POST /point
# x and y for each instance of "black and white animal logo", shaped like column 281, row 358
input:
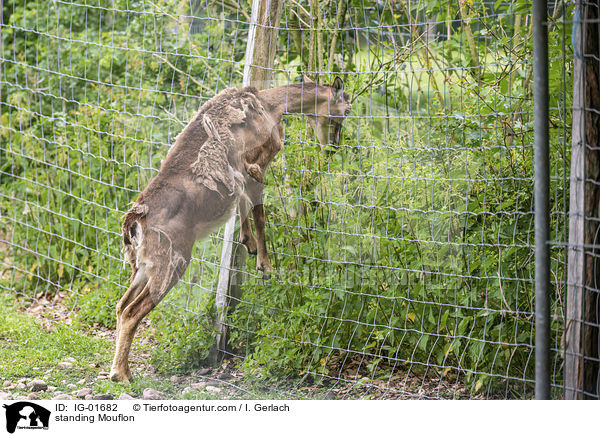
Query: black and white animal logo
column 24, row 414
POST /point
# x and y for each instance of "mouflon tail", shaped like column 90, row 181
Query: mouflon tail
column 132, row 232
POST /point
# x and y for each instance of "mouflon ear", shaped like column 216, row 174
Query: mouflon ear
column 338, row 83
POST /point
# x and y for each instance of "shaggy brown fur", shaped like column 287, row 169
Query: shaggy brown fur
column 218, row 159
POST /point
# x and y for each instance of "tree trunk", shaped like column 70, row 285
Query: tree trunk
column 266, row 42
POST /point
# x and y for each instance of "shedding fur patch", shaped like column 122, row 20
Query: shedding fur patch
column 139, row 209
column 210, row 128
column 175, row 268
column 231, row 107
column 212, row 168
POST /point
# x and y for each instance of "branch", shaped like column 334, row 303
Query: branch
column 341, row 15
column 235, row 7
column 301, row 8
column 300, row 20
column 470, row 39
column 201, row 85
column 171, row 116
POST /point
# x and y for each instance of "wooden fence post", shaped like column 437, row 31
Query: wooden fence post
column 260, row 51
column 583, row 280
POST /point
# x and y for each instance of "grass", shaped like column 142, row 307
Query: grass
column 28, row 350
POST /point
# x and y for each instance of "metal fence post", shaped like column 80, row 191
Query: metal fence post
column 542, row 216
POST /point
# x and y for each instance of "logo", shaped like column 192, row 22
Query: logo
column 26, row 415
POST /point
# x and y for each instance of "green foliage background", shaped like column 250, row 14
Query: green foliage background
column 407, row 251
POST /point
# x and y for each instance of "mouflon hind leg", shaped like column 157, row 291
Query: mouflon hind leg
column 138, row 282
column 128, row 322
column 168, row 265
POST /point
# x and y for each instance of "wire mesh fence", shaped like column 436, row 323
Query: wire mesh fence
column 403, row 258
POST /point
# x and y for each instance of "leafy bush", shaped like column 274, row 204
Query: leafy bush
column 183, row 338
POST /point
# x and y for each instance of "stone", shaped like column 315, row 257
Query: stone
column 37, row 385
column 125, row 396
column 105, row 373
column 82, row 381
column 89, row 397
column 203, row 371
column 51, row 388
column 152, row 394
column 33, row 396
column 62, row 397
column 187, row 390
column 103, row 397
column 71, row 359
column 5, row 396
column 175, row 379
column 6, row 384
column 21, row 386
column 102, row 377
column 213, row 389
column 81, row 393
column 65, row 365
column 198, row 386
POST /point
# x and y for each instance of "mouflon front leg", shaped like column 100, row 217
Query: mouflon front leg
column 256, row 161
column 246, row 235
column 262, row 262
